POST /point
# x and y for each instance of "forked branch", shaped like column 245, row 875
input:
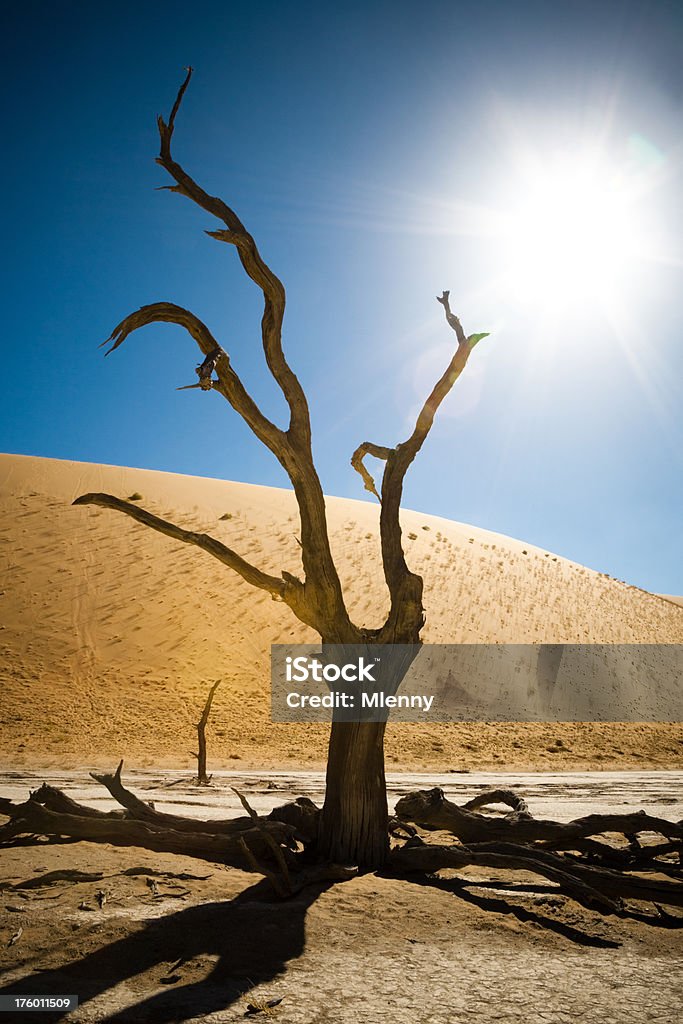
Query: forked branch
column 405, row 588
column 318, row 601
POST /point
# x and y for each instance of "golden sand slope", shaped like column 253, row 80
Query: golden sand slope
column 111, row 634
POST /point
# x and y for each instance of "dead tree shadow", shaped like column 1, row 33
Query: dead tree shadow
column 461, row 887
column 250, row 941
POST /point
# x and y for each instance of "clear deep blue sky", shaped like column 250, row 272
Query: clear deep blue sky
column 367, row 147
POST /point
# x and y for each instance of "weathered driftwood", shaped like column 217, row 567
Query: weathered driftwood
column 594, row 872
column 423, row 857
column 498, row 796
column 142, row 811
column 55, row 800
column 589, row 885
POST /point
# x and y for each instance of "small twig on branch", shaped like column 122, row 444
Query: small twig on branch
column 204, row 372
column 452, row 319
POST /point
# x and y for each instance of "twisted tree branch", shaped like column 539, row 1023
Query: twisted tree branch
column 324, row 605
column 431, row 809
column 254, row 265
column 288, row 588
column 405, row 588
column 368, row 448
column 229, row 383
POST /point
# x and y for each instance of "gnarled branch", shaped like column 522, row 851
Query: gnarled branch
column 428, row 858
column 430, row 809
column 324, row 605
column 254, row 265
column 229, row 383
column 141, row 811
column 378, row 452
column 405, row 587
column 287, row 588
column 33, row 818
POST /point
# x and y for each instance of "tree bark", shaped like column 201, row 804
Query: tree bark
column 354, row 821
column 353, row 824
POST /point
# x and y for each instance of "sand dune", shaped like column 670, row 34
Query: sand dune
column 110, row 634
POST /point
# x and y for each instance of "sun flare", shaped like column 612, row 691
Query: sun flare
column 570, row 233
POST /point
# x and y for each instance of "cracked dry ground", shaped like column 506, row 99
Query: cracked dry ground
column 480, row 946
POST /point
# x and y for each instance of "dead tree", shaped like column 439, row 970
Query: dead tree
column 202, row 778
column 603, row 861
column 353, row 823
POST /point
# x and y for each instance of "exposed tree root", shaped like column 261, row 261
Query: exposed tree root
column 282, row 845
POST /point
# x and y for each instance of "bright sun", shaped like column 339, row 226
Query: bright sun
column 570, row 234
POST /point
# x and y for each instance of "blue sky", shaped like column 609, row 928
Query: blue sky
column 378, row 153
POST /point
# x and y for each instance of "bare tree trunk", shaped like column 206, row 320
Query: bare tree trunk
column 353, row 827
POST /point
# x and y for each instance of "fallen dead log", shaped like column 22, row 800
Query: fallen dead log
column 141, row 811
column 589, row 885
column 430, row 858
column 58, row 801
column 498, row 796
column 430, row 809
column 34, row 818
column 595, row 873
column 642, row 858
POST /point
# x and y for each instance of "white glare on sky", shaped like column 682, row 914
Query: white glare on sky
column 571, row 233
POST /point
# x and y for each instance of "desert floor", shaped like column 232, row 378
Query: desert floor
column 472, row 946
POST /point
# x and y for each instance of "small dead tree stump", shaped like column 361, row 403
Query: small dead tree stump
column 202, row 778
